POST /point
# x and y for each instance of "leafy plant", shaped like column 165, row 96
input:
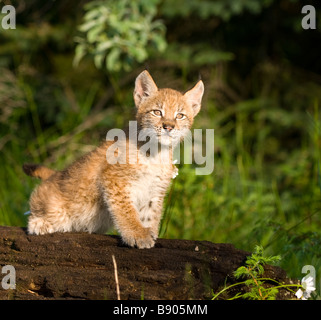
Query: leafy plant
column 253, row 271
column 118, row 33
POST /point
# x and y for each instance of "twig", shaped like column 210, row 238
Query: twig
column 116, row 277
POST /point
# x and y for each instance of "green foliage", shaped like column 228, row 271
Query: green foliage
column 205, row 9
column 118, row 33
column 262, row 97
column 258, row 288
column 255, row 264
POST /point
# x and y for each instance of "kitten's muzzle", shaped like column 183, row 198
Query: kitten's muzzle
column 168, row 127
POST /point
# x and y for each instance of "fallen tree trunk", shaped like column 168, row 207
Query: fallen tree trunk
column 80, row 266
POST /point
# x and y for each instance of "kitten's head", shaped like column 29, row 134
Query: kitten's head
column 165, row 114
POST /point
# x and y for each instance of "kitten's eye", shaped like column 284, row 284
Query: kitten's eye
column 157, row 113
column 180, row 116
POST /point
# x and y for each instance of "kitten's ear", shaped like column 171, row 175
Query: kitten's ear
column 194, row 96
column 144, row 87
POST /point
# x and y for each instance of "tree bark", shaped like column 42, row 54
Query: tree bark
column 80, row 266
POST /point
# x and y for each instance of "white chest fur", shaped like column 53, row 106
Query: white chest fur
column 149, row 188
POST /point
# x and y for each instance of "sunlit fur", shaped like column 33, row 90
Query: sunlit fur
column 93, row 195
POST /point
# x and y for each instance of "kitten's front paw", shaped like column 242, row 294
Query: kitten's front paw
column 144, row 239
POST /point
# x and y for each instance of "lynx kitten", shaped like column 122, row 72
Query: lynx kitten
column 93, row 195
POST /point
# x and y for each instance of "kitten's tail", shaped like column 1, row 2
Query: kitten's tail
column 38, row 171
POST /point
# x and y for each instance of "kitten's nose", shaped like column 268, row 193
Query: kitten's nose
column 168, row 127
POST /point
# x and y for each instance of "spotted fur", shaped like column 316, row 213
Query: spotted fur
column 93, row 195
